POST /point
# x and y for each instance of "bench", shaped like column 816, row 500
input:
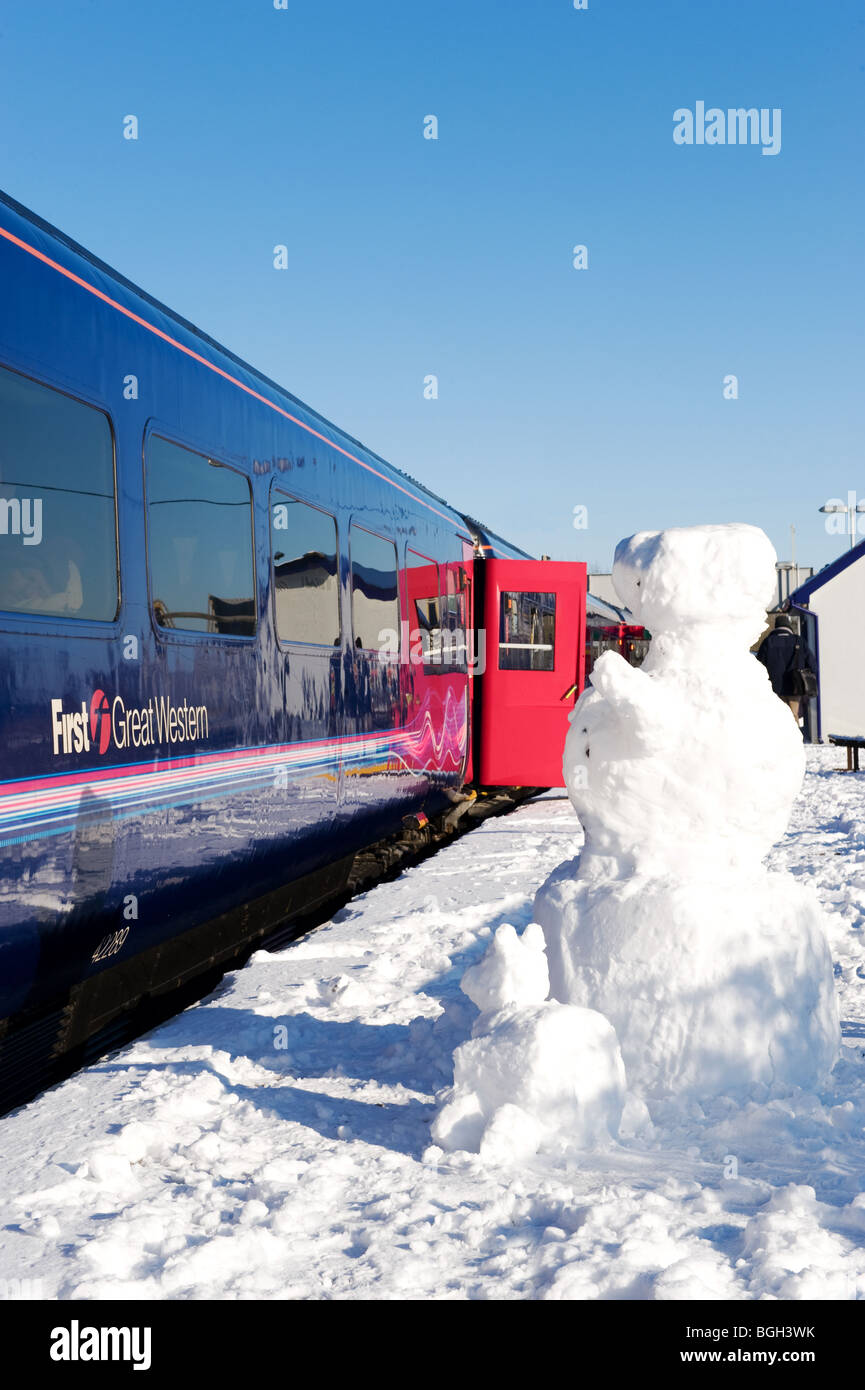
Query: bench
column 852, row 745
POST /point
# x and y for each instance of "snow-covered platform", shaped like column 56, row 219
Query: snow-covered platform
column 274, row 1141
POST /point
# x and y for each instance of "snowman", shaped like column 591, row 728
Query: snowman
column 713, row 968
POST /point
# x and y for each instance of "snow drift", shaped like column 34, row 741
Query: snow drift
column 536, row 1073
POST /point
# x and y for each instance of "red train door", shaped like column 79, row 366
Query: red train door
column 535, row 621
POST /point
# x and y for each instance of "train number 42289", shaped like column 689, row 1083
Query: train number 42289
column 110, row 945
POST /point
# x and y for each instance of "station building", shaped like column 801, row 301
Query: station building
column 829, row 607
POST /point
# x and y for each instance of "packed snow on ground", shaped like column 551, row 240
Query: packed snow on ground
column 275, row 1140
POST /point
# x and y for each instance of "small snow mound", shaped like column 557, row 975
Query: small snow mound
column 513, row 971
column 511, row 1136
column 544, row 1075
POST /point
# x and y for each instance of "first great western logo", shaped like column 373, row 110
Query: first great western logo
column 104, row 723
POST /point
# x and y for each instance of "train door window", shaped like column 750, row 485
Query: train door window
column 199, row 542
column 374, row 601
column 305, row 572
column 527, row 632
column 425, row 605
column 455, row 616
column 58, row 519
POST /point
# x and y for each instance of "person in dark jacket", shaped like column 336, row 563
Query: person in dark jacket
column 783, row 654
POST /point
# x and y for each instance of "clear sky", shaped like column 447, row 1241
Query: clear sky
column 407, row 257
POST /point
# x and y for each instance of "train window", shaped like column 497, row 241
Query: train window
column 455, row 616
column 305, row 572
column 424, row 606
column 374, row 603
column 527, row 632
column 199, row 542
column 58, row 526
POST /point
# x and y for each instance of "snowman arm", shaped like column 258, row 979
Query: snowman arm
column 633, row 697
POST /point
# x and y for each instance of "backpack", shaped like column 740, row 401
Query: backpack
column 804, row 684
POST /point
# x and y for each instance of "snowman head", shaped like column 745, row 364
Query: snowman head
column 690, row 575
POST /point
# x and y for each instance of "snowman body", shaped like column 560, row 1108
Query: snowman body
column 714, row 971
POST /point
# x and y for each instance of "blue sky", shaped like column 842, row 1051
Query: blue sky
column 558, row 388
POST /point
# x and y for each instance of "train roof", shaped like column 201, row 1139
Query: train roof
column 489, row 540
column 602, row 608
column 130, row 287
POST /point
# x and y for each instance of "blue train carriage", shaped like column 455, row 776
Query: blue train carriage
column 204, row 716
column 240, row 655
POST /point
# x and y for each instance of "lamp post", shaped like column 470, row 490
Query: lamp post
column 853, row 507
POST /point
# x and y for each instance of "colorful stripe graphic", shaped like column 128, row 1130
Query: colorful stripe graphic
column 54, row 804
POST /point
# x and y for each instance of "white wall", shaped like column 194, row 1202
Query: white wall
column 840, row 608
column 601, row 585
